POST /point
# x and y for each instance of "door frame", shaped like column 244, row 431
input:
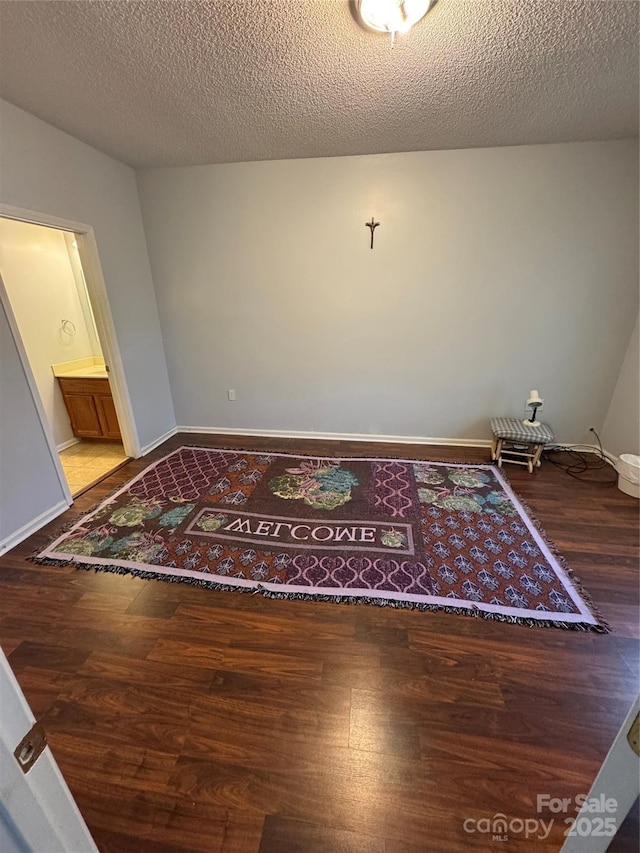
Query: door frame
column 97, row 292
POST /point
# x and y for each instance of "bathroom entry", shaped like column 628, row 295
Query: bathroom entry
column 48, row 295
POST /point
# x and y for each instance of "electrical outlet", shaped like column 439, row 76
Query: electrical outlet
column 231, row 393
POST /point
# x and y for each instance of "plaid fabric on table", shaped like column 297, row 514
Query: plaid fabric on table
column 514, row 429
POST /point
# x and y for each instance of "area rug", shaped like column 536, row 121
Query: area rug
column 427, row 535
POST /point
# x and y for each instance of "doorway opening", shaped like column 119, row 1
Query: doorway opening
column 47, row 294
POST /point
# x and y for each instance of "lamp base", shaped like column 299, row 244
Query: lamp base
column 527, row 422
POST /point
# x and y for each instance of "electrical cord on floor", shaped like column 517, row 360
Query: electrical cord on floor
column 576, row 463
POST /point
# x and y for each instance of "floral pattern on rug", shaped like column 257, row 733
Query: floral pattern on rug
column 465, row 488
column 410, row 533
column 320, row 484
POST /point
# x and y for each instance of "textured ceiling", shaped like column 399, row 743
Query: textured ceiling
column 170, row 82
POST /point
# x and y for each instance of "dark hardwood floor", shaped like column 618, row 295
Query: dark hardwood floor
column 186, row 719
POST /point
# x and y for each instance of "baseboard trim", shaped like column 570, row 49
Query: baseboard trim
column 348, row 436
column 32, row 526
column 612, row 458
column 337, row 436
column 66, row 444
column 152, row 445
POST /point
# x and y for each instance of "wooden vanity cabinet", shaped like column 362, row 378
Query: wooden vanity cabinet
column 90, row 407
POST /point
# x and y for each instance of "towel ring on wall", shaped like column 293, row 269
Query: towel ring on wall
column 68, row 327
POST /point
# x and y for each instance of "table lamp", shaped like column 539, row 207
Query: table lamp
column 534, row 402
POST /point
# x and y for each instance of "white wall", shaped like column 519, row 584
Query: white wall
column 45, row 170
column 621, row 433
column 494, row 271
column 36, row 270
column 22, row 447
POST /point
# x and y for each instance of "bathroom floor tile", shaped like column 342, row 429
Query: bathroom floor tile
column 88, row 461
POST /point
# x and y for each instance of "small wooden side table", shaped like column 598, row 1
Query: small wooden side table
column 518, row 442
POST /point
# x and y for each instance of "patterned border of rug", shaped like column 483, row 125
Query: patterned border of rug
column 405, row 533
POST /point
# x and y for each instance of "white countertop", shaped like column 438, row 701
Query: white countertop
column 81, row 368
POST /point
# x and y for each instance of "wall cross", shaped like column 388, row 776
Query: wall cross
column 373, row 225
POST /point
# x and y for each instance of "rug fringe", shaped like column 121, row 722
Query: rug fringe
column 474, row 612
column 403, row 458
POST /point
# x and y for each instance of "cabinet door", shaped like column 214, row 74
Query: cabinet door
column 108, row 418
column 83, row 415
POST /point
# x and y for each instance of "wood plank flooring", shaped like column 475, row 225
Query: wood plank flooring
column 191, row 720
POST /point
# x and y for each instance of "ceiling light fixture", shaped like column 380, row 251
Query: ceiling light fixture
column 392, row 16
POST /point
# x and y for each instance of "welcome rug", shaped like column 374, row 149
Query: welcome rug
column 385, row 531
